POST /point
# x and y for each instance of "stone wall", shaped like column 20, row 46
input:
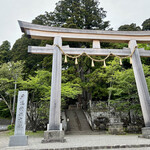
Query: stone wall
column 5, row 121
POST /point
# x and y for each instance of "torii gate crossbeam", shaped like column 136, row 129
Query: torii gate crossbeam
column 95, row 36
column 49, row 49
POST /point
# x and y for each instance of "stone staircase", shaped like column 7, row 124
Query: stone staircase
column 77, row 121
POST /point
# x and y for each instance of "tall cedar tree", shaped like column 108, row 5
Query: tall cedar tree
column 83, row 14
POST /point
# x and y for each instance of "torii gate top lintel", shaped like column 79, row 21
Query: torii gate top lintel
column 84, row 35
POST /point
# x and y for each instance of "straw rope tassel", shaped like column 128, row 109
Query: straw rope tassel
column 130, row 60
column 66, row 59
column 104, row 63
column 120, row 61
column 76, row 61
column 92, row 63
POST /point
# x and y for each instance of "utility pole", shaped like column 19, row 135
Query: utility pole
column 14, row 102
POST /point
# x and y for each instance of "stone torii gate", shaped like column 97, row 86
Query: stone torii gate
column 95, row 36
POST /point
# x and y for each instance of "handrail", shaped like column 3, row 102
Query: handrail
column 89, row 119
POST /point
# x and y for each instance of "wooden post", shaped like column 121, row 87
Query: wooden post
column 55, row 102
column 141, row 83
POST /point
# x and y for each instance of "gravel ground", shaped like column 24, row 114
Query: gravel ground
column 79, row 141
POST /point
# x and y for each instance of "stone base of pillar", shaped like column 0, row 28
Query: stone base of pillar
column 145, row 133
column 53, row 136
column 18, row 140
column 116, row 128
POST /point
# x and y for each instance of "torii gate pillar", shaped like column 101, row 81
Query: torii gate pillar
column 54, row 133
column 55, row 102
column 141, row 87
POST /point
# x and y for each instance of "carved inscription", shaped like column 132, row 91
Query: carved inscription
column 21, row 113
column 21, row 110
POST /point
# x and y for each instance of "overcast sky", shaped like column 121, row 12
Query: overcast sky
column 119, row 12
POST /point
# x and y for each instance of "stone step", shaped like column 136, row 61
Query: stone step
column 85, row 132
column 77, row 120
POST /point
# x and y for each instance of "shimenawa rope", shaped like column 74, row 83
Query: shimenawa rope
column 96, row 60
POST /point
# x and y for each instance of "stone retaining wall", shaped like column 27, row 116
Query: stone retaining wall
column 5, row 121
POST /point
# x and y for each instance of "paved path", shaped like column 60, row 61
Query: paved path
column 74, row 141
column 77, row 120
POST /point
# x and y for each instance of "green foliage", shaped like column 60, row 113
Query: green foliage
column 121, row 84
column 97, row 84
column 146, row 24
column 116, row 86
column 145, row 60
column 69, row 91
column 101, row 78
column 10, row 73
column 124, row 96
column 131, row 27
column 20, row 52
column 11, row 127
column 5, row 52
column 145, row 46
column 38, row 85
column 124, row 90
column 4, row 110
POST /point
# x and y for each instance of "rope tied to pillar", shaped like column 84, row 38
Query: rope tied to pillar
column 96, row 60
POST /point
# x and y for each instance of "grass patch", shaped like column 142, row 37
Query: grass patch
column 35, row 134
column 10, row 132
column 29, row 133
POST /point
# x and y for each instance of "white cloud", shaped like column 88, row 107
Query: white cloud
column 119, row 12
column 26, row 10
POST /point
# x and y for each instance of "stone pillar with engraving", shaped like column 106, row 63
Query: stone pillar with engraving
column 19, row 138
